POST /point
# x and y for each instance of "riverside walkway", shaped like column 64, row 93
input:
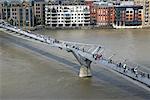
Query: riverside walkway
column 86, row 54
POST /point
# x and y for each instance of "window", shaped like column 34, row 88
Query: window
column 37, row 4
column 131, row 15
column 131, row 11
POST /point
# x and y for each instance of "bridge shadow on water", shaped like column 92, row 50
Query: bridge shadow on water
column 75, row 66
column 97, row 73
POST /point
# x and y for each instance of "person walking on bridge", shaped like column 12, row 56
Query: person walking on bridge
column 125, row 67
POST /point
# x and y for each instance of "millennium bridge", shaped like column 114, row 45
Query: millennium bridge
column 85, row 55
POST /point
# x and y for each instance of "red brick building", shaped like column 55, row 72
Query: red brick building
column 105, row 15
column 101, row 15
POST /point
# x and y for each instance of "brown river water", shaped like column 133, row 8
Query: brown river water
column 33, row 71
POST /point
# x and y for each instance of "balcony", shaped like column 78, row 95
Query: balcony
column 54, row 25
column 54, row 21
column 68, row 24
column 87, row 21
column 87, row 17
column 68, row 21
column 54, row 18
column 67, row 18
column 87, row 14
column 54, row 14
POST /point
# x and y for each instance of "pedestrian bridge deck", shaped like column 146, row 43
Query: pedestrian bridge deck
column 91, row 52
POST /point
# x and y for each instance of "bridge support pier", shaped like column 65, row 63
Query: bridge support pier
column 85, row 71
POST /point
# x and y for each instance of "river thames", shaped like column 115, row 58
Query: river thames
column 33, row 71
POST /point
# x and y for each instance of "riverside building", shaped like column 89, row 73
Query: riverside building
column 102, row 13
column 18, row 13
column 105, row 15
column 39, row 12
column 66, row 14
column 128, row 15
column 146, row 11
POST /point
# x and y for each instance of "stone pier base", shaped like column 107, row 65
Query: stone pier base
column 85, row 71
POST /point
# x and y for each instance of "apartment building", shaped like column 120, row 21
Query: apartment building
column 18, row 13
column 146, row 11
column 28, row 14
column 128, row 15
column 101, row 12
column 67, row 15
column 4, row 10
column 39, row 12
column 105, row 15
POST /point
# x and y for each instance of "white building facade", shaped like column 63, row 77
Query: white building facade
column 58, row 16
column 146, row 11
